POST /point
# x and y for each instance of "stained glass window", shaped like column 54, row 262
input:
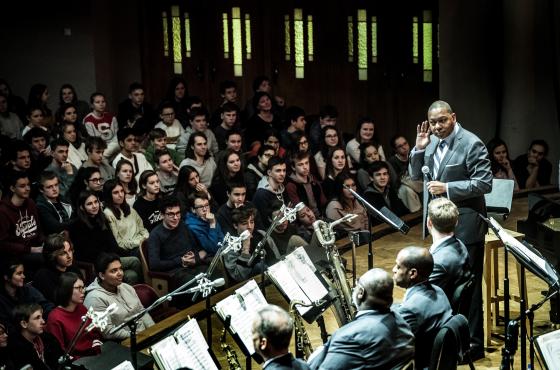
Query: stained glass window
column 427, row 46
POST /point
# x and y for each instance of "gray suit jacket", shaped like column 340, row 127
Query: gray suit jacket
column 466, row 170
column 451, row 261
column 374, row 340
column 425, row 308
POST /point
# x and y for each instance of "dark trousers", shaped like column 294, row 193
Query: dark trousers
column 475, row 316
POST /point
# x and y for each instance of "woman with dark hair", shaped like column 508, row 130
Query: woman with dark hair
column 58, row 254
column 65, row 320
column 262, row 120
column 108, row 288
column 257, row 168
column 230, row 168
column 500, row 161
column 38, row 97
column 14, row 291
column 300, row 143
column 127, row 227
column 330, row 138
column 365, row 133
column 272, row 138
column 124, row 172
column 5, row 358
column 67, row 95
column 35, row 118
column 177, row 95
column 16, row 104
column 337, row 163
column 188, row 182
column 198, row 156
column 148, row 200
column 344, row 203
column 77, row 149
column 91, row 234
column 369, row 154
column 87, row 178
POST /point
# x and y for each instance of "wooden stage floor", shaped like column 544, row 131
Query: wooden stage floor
column 385, row 251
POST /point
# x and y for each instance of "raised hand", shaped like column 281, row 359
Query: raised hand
column 422, row 135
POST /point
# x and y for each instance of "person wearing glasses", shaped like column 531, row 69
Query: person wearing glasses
column 533, row 169
column 256, row 169
column 172, row 247
column 202, row 223
column 65, row 320
column 87, row 178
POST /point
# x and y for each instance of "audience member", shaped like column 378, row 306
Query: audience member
column 30, row 344
column 16, row 104
column 38, row 97
column 188, row 181
column 261, row 84
column 229, row 116
column 256, row 169
column 425, row 306
column 533, row 169
column 409, row 190
column 77, row 148
column 330, row 139
column 65, row 320
column 337, row 163
column 295, row 116
column 171, row 125
column 10, row 123
column 272, row 331
column 41, row 158
column 177, row 94
column 327, row 118
column 108, row 288
column 54, row 214
column 136, row 106
column 202, row 223
column 228, row 94
column 5, row 357
column 167, row 171
column 345, row 203
column 262, row 120
column 198, row 124
column 100, row 123
column 365, row 133
column 147, row 204
column 91, row 235
column 230, row 168
column 378, row 338
column 271, row 188
column 234, row 141
column 67, row 95
column 127, row 227
column 237, row 197
column 272, row 138
column 500, row 162
column 300, row 144
column 369, row 155
column 124, row 173
column 158, row 141
column 380, row 193
column 95, row 147
column 198, row 156
column 128, row 142
column 303, row 187
column 61, row 167
column 87, row 178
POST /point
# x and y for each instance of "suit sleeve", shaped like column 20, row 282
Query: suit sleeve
column 439, row 276
column 479, row 180
column 415, row 164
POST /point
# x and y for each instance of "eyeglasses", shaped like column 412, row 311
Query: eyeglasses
column 330, row 136
column 99, row 180
column 202, row 206
column 173, row 214
column 303, row 142
column 80, row 288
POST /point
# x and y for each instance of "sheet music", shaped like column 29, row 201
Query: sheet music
column 241, row 306
column 549, row 346
column 301, row 254
column 298, row 265
column 185, row 348
column 281, row 275
column 125, row 365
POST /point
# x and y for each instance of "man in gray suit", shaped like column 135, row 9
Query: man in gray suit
column 451, row 259
column 425, row 307
column 378, row 338
column 459, row 170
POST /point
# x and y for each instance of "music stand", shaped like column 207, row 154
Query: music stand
column 498, row 201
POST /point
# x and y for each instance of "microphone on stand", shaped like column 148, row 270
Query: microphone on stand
column 206, row 286
column 99, row 319
column 234, row 242
column 426, row 172
column 291, row 213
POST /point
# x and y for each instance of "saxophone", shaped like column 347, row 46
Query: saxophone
column 303, row 344
column 231, row 355
column 343, row 307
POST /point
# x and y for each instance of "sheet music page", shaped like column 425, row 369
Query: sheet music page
column 549, row 346
column 192, row 338
column 301, row 254
column 169, row 355
column 241, row 307
column 125, row 365
column 304, row 276
column 281, row 274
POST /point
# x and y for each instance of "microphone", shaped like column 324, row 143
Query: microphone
column 99, row 319
column 206, row 286
column 291, row 213
column 234, row 242
column 426, row 172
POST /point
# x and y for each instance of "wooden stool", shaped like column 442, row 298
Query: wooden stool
column 491, row 296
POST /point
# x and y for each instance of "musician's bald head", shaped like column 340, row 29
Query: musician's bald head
column 272, row 331
column 374, row 290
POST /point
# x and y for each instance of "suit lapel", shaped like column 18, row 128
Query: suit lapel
column 450, row 151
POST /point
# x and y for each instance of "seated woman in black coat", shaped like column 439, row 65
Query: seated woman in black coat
column 91, row 234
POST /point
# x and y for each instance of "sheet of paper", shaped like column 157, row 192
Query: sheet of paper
column 190, row 336
column 305, row 278
column 169, row 355
column 549, row 346
column 281, row 274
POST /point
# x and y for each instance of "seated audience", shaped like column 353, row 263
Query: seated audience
column 30, row 344
column 262, row 120
column 38, row 97
column 234, row 142
column 500, row 162
column 330, row 138
column 35, row 119
column 369, row 155
column 230, row 168
column 77, row 148
column 5, row 357
column 272, row 331
column 379, row 338
column 87, row 178
column 158, row 141
column 300, row 144
column 228, row 121
column 100, row 123
column 188, row 182
column 95, row 147
column 256, row 169
column 16, row 104
column 127, row 227
column 64, row 170
column 198, row 124
column 54, row 214
column 451, row 259
column 10, row 124
column 365, row 133
column 425, row 307
column 533, row 169
column 303, row 187
column 58, row 254
column 228, row 94
column 271, row 188
column 337, row 163
column 128, row 142
column 67, row 95
column 65, row 319
column 171, row 246
column 203, row 224
column 198, row 156
column 272, row 138
column 136, row 106
column 125, row 175
column 237, row 195
column 345, row 203
column 172, row 127
column 327, row 118
column 295, row 116
column 90, row 234
column 147, row 205
column 409, row 190
column 380, row 193
column 109, row 287
column 177, row 94
column 18, row 156
column 41, row 158
column 14, row 291
column 167, row 171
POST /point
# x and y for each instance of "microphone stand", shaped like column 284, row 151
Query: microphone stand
column 64, row 360
column 132, row 321
column 372, row 211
